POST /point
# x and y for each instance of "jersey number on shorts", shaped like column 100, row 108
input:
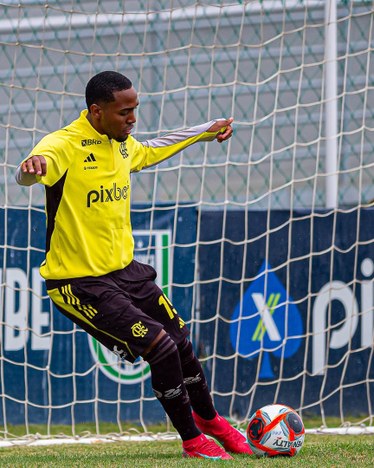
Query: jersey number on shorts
column 164, row 301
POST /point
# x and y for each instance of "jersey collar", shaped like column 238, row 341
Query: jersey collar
column 91, row 131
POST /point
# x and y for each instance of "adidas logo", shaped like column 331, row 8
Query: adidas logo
column 90, row 158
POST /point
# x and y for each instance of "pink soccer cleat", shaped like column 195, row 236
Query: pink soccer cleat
column 231, row 439
column 202, row 447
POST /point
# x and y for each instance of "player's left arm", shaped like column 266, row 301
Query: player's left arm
column 151, row 152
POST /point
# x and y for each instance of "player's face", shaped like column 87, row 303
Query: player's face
column 117, row 118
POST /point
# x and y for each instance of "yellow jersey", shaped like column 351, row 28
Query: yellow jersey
column 88, row 192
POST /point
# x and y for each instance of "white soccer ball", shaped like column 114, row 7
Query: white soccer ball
column 275, row 430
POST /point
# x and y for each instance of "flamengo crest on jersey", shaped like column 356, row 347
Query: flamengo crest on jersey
column 123, row 150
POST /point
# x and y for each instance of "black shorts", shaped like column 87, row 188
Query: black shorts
column 124, row 310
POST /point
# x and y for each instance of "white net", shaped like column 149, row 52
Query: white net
column 269, row 264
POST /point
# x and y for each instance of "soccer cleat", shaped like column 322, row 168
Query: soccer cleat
column 202, row 447
column 231, row 439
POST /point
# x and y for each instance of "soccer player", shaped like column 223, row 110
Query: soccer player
column 90, row 272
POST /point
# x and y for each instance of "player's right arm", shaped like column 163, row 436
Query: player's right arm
column 51, row 152
column 27, row 171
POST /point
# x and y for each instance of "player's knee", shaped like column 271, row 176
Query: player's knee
column 162, row 350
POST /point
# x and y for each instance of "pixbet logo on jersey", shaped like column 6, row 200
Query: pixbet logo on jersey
column 266, row 320
column 104, row 195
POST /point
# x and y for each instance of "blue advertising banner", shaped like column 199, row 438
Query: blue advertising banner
column 52, row 370
column 303, row 330
column 298, row 275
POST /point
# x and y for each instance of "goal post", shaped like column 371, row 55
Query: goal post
column 264, row 243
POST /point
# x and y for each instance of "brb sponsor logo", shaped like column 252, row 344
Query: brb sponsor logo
column 268, row 322
column 90, row 141
column 105, row 195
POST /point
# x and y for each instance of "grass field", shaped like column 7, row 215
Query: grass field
column 318, row 451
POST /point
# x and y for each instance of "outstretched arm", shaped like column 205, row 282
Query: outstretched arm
column 151, row 152
column 28, row 170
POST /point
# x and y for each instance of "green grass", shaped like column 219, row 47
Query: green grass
column 310, row 422
column 318, row 451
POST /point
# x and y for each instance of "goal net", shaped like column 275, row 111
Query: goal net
column 264, row 243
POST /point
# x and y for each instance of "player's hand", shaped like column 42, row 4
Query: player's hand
column 224, row 129
column 35, row 165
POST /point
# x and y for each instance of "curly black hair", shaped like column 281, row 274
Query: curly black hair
column 101, row 87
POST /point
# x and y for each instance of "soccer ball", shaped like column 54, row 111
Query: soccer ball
column 275, row 430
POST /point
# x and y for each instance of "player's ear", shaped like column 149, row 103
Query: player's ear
column 95, row 110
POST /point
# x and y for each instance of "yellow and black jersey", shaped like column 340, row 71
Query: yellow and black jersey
column 88, row 192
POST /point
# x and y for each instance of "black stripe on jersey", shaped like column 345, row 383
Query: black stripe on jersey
column 53, row 198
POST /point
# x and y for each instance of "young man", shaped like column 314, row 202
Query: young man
column 91, row 275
